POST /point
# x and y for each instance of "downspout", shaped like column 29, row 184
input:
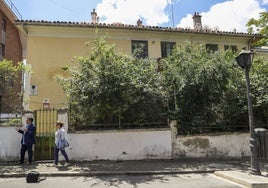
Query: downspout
column 250, row 42
column 23, row 32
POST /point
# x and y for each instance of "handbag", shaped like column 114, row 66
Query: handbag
column 62, row 144
column 66, row 144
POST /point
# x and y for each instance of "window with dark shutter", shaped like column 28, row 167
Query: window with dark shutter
column 139, row 48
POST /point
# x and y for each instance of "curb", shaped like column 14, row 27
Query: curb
column 104, row 173
column 243, row 178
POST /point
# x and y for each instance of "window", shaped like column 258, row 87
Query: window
column 212, row 47
column 4, row 25
column 232, row 47
column 3, row 39
column 139, row 48
column 166, row 48
column 2, row 51
column 3, row 32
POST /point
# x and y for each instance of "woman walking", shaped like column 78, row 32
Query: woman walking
column 59, row 146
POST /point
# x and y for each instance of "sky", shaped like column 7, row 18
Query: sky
column 223, row 15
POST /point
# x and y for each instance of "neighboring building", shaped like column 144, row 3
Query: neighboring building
column 10, row 49
column 50, row 45
column 262, row 51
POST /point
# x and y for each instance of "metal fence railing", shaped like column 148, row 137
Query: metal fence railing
column 188, row 129
column 10, row 121
column 116, row 126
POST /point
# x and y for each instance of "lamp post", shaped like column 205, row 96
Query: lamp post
column 244, row 60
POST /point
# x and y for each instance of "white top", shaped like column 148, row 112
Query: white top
column 59, row 135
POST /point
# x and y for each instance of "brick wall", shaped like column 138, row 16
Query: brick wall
column 11, row 102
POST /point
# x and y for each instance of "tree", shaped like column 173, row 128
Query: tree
column 261, row 26
column 196, row 87
column 109, row 87
column 260, row 71
column 8, row 75
column 203, row 88
column 259, row 84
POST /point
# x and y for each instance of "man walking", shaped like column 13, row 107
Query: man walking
column 27, row 140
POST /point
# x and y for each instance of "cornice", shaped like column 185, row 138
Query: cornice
column 31, row 25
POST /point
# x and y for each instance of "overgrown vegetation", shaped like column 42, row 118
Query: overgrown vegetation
column 259, row 87
column 10, row 98
column 204, row 89
column 199, row 89
column 260, row 26
column 109, row 87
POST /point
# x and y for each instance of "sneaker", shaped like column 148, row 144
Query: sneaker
column 20, row 163
column 29, row 163
column 54, row 165
column 66, row 164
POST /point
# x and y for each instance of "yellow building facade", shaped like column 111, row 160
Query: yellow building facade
column 47, row 46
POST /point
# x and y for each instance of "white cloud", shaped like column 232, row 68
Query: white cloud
column 264, row 2
column 129, row 11
column 227, row 16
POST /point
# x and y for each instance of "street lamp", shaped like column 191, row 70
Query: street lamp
column 244, row 60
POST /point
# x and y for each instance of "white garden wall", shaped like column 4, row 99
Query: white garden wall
column 120, row 145
column 214, row 146
column 137, row 144
column 9, row 143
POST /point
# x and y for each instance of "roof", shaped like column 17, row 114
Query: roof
column 133, row 27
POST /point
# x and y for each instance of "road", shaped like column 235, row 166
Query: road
column 127, row 181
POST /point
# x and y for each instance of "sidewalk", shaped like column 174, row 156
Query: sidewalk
column 232, row 170
column 131, row 167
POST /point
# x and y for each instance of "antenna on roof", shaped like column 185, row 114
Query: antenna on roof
column 172, row 14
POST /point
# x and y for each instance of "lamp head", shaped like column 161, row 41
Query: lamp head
column 244, row 59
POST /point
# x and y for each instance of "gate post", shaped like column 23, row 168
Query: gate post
column 25, row 115
column 174, row 132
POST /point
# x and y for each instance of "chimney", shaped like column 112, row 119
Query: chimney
column 197, row 21
column 94, row 18
column 139, row 23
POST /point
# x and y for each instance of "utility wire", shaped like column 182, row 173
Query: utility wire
column 63, row 7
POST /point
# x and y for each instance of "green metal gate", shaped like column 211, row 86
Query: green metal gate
column 45, row 129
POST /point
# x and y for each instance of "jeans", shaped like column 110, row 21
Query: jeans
column 56, row 155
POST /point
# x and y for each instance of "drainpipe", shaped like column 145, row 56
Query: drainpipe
column 23, row 32
column 250, row 42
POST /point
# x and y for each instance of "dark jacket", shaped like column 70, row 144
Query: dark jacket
column 29, row 135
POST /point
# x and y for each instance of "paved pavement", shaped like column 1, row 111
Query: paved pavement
column 136, row 167
column 125, row 181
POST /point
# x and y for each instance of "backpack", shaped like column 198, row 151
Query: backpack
column 33, row 177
